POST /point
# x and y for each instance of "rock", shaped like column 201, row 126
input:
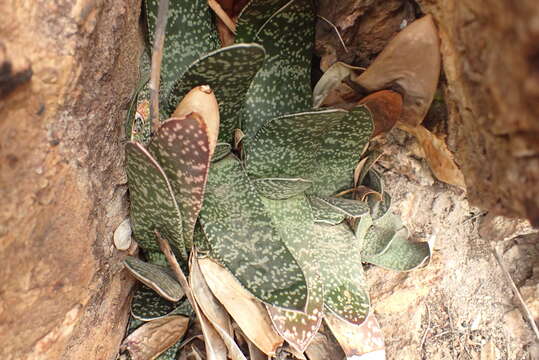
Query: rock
column 63, row 292
column 515, row 325
column 530, row 294
column 122, row 235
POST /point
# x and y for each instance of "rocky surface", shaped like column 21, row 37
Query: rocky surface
column 490, row 61
column 67, row 70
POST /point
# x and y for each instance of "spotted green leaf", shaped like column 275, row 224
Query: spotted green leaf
column 347, row 207
column 382, row 232
column 280, row 188
column 321, row 146
column 153, row 205
column 360, row 227
column 242, row 238
column 325, row 214
column 294, row 220
column 182, row 148
column 283, row 84
column 229, row 72
column 190, row 33
column 253, row 16
column 221, row 151
column 148, row 305
column 341, row 272
column 157, row 277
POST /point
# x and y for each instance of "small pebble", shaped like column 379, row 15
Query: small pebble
column 122, row 235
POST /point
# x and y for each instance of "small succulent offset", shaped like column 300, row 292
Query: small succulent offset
column 254, row 189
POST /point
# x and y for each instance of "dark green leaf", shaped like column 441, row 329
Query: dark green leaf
column 148, row 305
column 242, row 238
column 253, row 16
column 280, row 188
column 221, row 151
column 347, row 207
column 229, row 72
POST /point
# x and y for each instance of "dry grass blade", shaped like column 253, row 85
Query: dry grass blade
column 358, row 340
column 249, row 313
column 154, row 337
column 157, row 57
column 523, row 305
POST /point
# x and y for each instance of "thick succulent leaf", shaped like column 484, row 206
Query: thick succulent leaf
column 283, row 84
column 380, row 235
column 248, row 312
column 181, row 146
column 253, row 16
column 365, row 341
column 360, row 227
column 153, row 205
column 281, row 188
column 401, row 254
column 148, row 305
column 190, row 33
column 349, row 208
column 156, row 277
column 229, row 72
column 321, row 146
column 341, row 272
column 221, row 151
column 242, row 238
column 294, row 220
column 155, row 337
column 379, row 207
column 325, row 214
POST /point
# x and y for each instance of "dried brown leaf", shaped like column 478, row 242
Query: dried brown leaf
column 154, row 337
column 386, row 109
column 410, row 64
column 365, row 341
column 249, row 313
column 329, row 90
column 437, row 155
column 323, row 347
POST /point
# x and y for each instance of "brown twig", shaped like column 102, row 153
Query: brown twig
column 424, row 337
column 157, row 57
column 221, row 14
column 524, row 307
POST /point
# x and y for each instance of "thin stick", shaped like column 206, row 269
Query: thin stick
column 517, row 293
column 336, row 30
column 165, row 248
column 424, row 337
column 157, row 57
column 221, row 14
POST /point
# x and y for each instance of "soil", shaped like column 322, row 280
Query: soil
column 461, row 305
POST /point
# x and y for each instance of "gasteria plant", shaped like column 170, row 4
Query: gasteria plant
column 263, row 193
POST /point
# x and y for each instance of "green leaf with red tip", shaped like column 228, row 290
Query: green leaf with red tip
column 229, row 72
column 243, row 239
column 341, row 272
column 153, row 205
column 321, row 146
column 294, row 220
column 182, row 148
column 283, row 84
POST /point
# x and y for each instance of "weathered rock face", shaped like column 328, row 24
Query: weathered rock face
column 63, row 294
column 491, row 61
column 490, row 58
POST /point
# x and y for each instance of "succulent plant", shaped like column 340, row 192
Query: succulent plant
column 288, row 208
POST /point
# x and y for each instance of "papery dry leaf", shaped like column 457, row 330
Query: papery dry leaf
column 410, row 64
column 155, row 337
column 329, row 85
column 249, row 313
column 215, row 312
column 386, row 109
column 437, row 155
column 365, row 341
column 192, row 351
column 202, row 101
column 215, row 346
column 322, row 347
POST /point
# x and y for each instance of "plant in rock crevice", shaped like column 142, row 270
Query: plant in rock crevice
column 274, row 231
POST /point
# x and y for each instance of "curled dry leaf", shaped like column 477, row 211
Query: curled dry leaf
column 410, row 64
column 328, row 90
column 323, row 347
column 202, row 101
column 154, row 337
column 249, row 313
column 386, row 109
column 438, row 156
column 365, row 341
column 214, row 312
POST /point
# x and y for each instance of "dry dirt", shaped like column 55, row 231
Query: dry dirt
column 460, row 306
